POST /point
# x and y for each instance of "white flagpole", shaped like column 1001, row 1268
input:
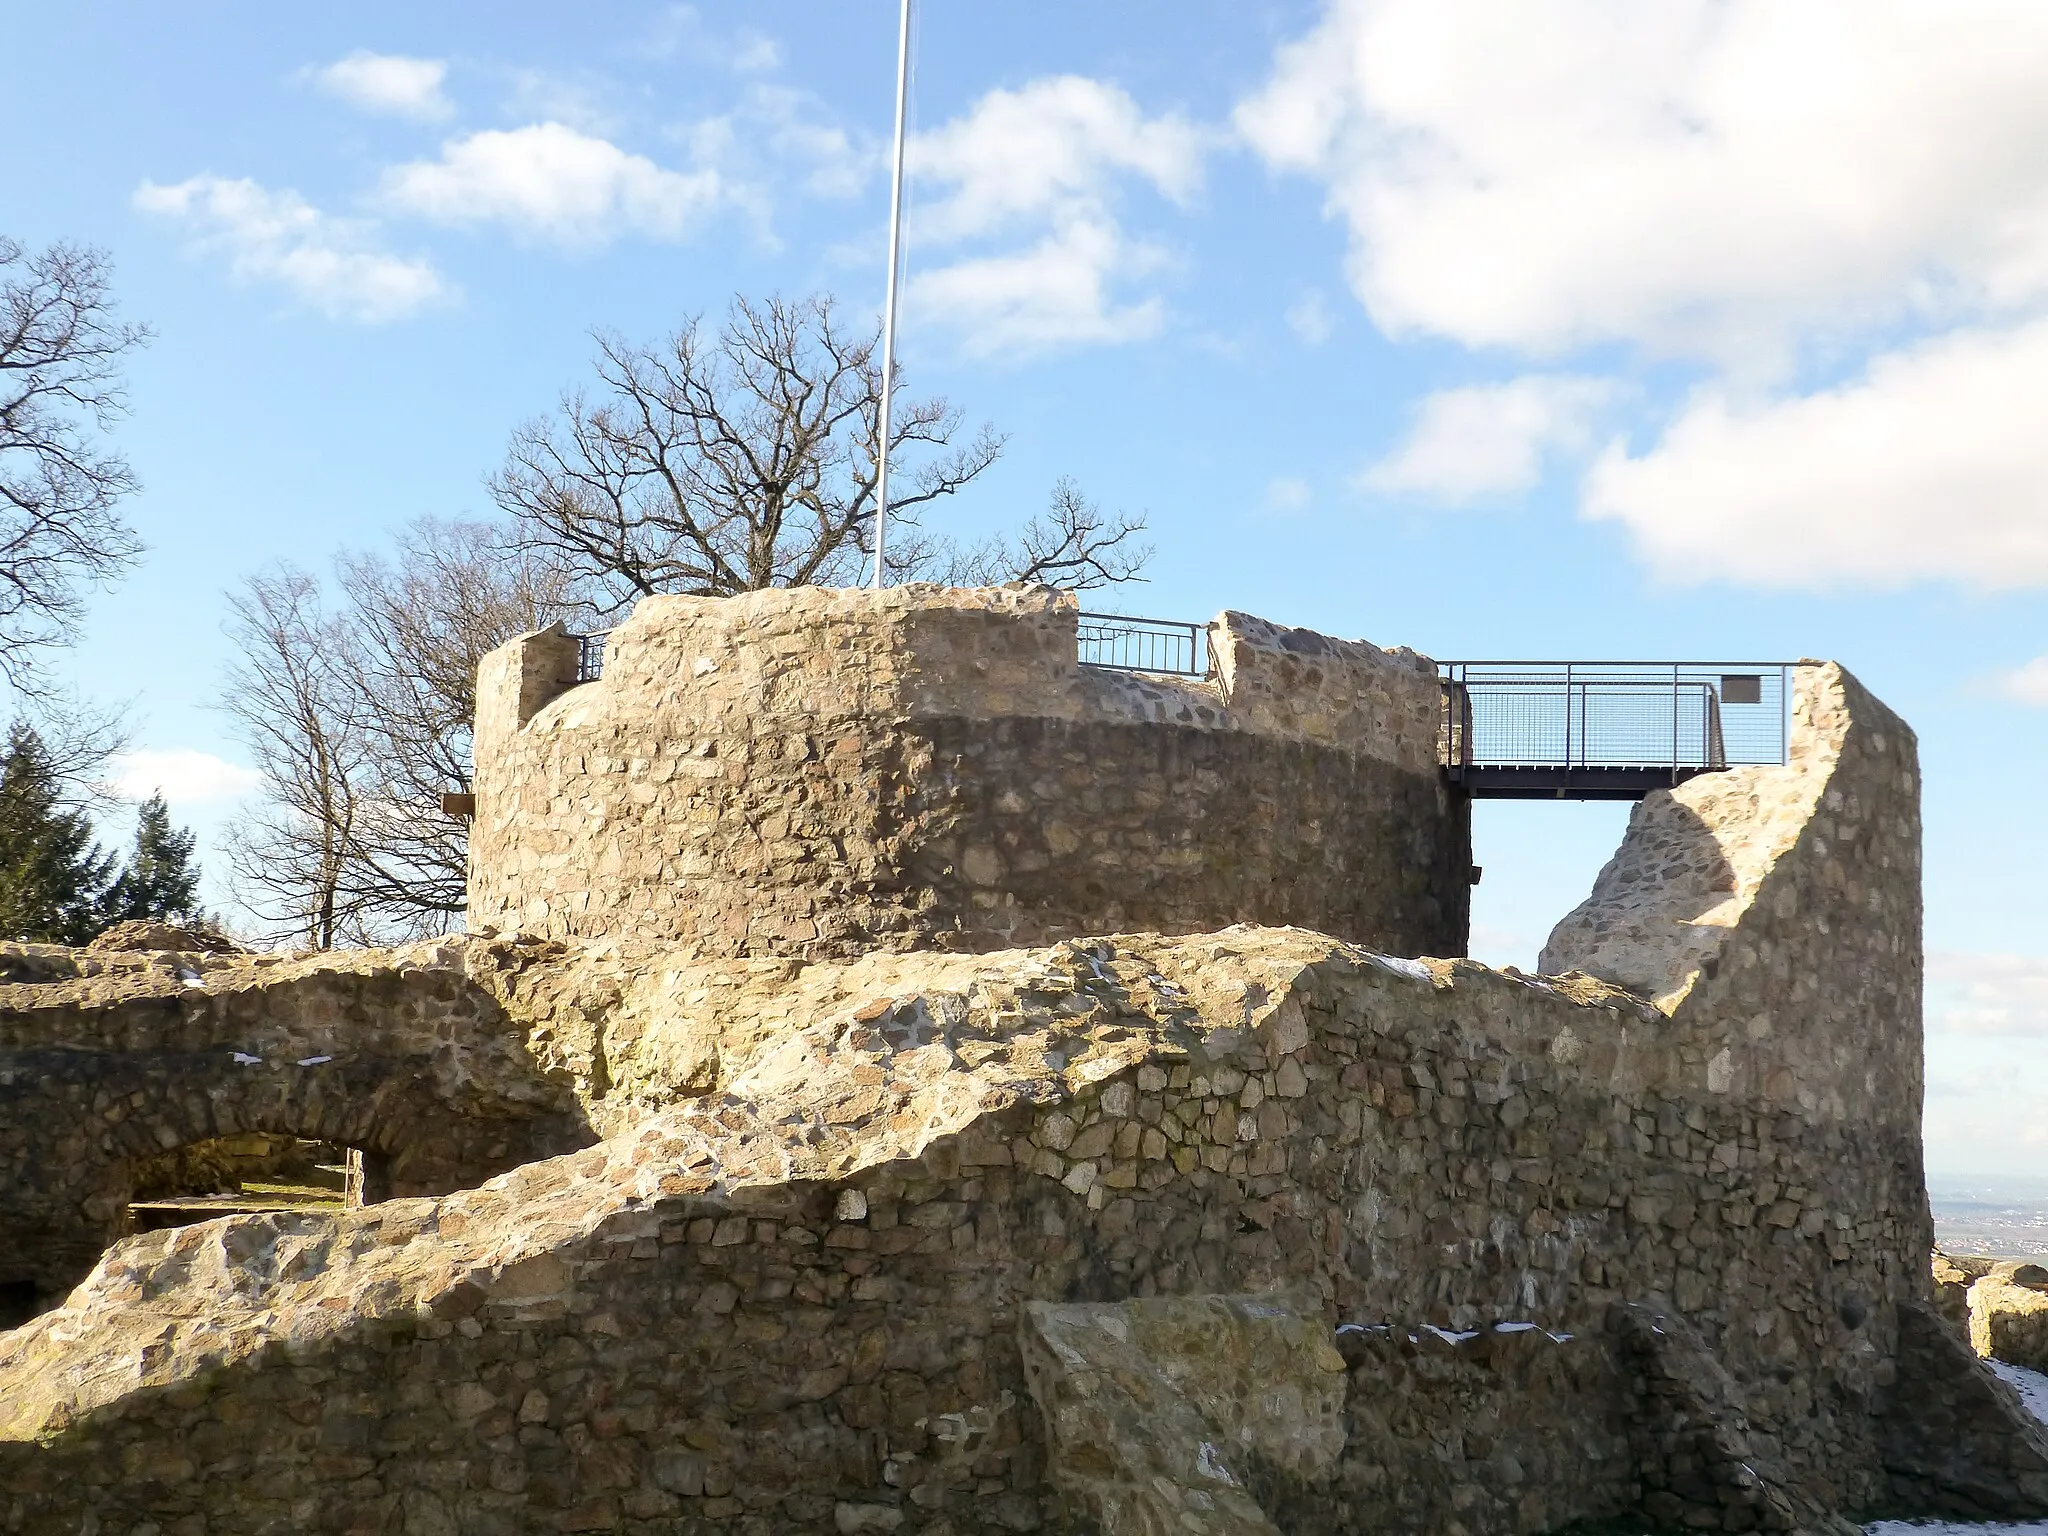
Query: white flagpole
column 889, row 303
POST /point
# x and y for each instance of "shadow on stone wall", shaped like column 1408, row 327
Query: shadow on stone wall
column 1662, row 904
column 790, row 1291
column 398, row 1055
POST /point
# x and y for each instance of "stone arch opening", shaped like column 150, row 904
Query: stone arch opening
column 242, row 1174
column 85, row 1127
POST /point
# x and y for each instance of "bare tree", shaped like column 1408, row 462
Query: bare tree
column 419, row 623
column 359, row 718
column 713, row 464
column 79, row 737
column 727, row 461
column 60, row 388
column 296, row 707
column 1073, row 545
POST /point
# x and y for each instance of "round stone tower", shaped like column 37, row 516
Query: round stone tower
column 822, row 771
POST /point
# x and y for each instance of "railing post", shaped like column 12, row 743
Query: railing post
column 1567, row 714
column 1674, row 720
column 1464, row 719
column 1784, row 714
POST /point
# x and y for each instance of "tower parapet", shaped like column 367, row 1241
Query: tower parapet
column 823, row 771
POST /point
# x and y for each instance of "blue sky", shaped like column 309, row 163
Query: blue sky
column 1694, row 330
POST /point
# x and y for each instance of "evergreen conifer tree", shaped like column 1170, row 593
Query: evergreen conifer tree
column 160, row 881
column 53, row 876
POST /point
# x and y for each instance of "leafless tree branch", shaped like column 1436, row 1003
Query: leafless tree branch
column 359, row 718
column 1073, row 545
column 61, row 387
column 730, row 460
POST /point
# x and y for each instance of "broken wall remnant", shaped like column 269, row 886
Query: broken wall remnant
column 399, row 1055
column 2007, row 1314
column 819, row 772
column 1581, row 1256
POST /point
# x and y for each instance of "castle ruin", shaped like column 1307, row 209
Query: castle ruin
column 1011, row 1097
column 825, row 772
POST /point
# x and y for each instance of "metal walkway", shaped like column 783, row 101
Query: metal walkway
column 1543, row 730
column 1607, row 730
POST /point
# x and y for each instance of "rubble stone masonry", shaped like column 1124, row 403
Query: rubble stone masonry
column 1239, row 1232
column 821, row 772
column 108, row 1060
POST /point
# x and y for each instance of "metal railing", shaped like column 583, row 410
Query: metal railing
column 1169, row 647
column 1572, row 715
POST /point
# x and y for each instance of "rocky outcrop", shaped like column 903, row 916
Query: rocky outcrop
column 1954, row 1274
column 1702, row 1465
column 1956, row 1440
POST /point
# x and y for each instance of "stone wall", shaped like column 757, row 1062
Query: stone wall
column 1696, row 859
column 818, row 772
column 799, row 1292
column 1775, row 914
column 105, row 1065
column 793, row 1289
column 2008, row 1315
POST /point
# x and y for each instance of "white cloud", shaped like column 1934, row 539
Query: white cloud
column 586, row 101
column 1490, row 439
column 551, row 182
column 839, row 164
column 1031, row 152
column 1056, row 293
column 1310, row 319
column 1286, row 493
column 774, row 128
column 682, row 29
column 1713, row 177
column 279, row 237
column 2027, row 684
column 1982, row 1114
column 1932, row 465
column 755, row 52
column 1032, row 180
column 1970, row 994
column 388, row 83
column 182, row 776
